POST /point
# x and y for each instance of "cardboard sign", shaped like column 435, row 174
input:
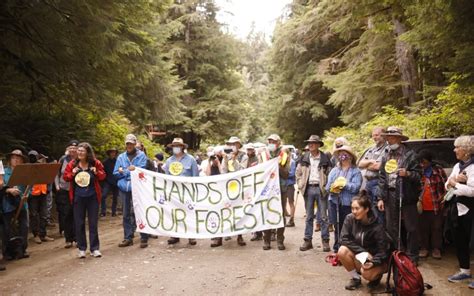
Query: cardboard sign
column 34, row 173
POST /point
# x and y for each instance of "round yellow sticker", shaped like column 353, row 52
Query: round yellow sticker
column 176, row 168
column 391, row 166
column 82, row 179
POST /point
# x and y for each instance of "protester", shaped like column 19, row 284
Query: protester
column 37, row 205
column 235, row 160
column 431, row 217
column 276, row 150
column 84, row 175
column 461, row 206
column 400, row 177
column 343, row 184
column 252, row 156
column 370, row 164
column 362, row 233
column 110, row 183
column 205, row 163
column 338, row 143
column 10, row 205
column 126, row 163
column 181, row 164
column 63, row 205
column 291, row 190
column 311, row 176
column 212, row 166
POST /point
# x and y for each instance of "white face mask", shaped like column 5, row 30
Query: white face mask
column 272, row 147
column 234, row 149
column 394, row 147
column 176, row 150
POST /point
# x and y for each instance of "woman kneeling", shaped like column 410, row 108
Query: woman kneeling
column 361, row 235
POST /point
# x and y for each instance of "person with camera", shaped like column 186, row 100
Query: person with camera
column 364, row 249
column 85, row 174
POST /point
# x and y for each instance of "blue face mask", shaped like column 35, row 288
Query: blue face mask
column 272, row 147
column 176, row 150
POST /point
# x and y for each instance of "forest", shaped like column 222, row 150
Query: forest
column 96, row 70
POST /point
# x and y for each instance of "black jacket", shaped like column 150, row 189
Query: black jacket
column 369, row 237
column 411, row 184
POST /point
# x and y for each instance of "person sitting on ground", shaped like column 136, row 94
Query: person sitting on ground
column 362, row 234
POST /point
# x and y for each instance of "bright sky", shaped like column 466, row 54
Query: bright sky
column 239, row 15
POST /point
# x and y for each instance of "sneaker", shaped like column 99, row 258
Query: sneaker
column 307, row 245
column 46, row 239
column 102, row 214
column 143, row 243
column 37, row 240
column 126, row 243
column 173, row 240
column 471, row 285
column 423, row 253
column 459, row 277
column 82, row 254
column 436, row 254
column 68, row 245
column 353, row 284
column 96, row 254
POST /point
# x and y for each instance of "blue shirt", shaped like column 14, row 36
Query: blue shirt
column 124, row 182
column 291, row 177
column 190, row 168
column 354, row 181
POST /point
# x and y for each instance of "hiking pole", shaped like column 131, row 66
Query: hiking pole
column 337, row 220
column 400, row 214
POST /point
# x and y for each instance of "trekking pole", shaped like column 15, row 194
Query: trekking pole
column 400, row 214
column 337, row 220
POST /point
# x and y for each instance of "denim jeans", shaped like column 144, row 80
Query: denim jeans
column 129, row 223
column 371, row 188
column 89, row 205
column 343, row 212
column 106, row 189
column 312, row 196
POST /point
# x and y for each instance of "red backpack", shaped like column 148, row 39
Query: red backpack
column 406, row 276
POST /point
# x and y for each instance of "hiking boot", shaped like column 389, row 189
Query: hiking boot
column 436, row 254
column 126, row 243
column 216, row 243
column 290, row 223
column 423, row 253
column 173, row 240
column 307, row 245
column 459, row 277
column 280, row 245
column 240, row 241
column 374, row 284
column 326, row 247
column 266, row 245
column 353, row 284
column 317, row 228
column 331, row 227
column 143, row 243
column 46, row 239
column 37, row 240
column 256, row 236
column 227, row 238
column 192, row 242
column 68, row 245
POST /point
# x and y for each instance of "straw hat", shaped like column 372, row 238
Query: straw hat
column 178, row 142
column 347, row 149
column 395, row 132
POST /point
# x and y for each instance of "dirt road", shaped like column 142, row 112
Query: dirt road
column 196, row 270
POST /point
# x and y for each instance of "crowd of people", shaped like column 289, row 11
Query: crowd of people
column 361, row 198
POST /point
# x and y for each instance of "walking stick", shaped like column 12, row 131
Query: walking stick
column 400, row 215
column 14, row 223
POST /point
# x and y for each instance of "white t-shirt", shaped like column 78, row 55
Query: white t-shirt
column 2, row 171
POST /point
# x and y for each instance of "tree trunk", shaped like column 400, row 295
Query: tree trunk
column 405, row 60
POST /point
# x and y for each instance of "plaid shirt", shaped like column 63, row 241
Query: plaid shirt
column 436, row 184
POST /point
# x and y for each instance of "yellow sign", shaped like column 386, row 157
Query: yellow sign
column 176, row 168
column 230, row 166
column 391, row 166
column 83, row 179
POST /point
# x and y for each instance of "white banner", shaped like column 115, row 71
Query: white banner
column 206, row 207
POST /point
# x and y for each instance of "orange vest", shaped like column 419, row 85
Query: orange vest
column 39, row 189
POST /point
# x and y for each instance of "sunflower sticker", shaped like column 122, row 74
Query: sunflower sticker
column 391, row 166
column 82, row 179
column 176, row 168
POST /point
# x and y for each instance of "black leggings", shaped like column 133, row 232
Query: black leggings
column 462, row 236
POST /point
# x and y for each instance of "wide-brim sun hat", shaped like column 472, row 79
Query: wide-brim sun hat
column 233, row 140
column 347, row 149
column 17, row 152
column 395, row 132
column 177, row 142
column 315, row 139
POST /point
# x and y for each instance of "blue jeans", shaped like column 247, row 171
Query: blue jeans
column 371, row 188
column 129, row 223
column 312, row 196
column 343, row 212
column 106, row 188
column 90, row 205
